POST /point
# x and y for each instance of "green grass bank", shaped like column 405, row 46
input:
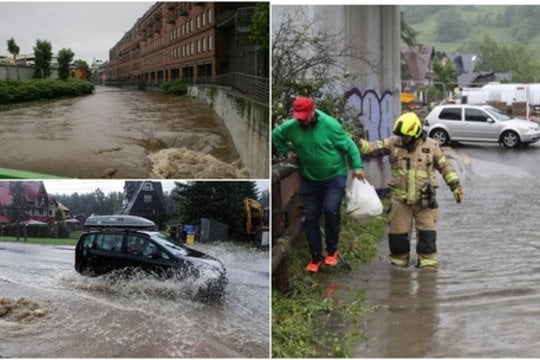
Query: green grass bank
column 308, row 321
column 18, row 91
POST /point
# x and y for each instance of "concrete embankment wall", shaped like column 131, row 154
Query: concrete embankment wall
column 9, row 72
column 246, row 120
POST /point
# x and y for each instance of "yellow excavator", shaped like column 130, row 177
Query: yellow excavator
column 257, row 222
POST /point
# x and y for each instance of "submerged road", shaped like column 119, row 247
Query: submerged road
column 47, row 310
column 483, row 299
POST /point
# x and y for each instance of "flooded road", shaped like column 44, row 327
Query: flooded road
column 483, row 300
column 110, row 133
column 55, row 312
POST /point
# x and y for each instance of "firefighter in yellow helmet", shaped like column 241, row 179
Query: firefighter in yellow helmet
column 414, row 159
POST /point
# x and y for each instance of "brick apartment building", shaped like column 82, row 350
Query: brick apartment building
column 193, row 41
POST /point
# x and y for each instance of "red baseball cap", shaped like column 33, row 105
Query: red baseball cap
column 302, row 108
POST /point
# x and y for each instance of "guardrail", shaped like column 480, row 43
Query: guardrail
column 287, row 219
column 256, row 86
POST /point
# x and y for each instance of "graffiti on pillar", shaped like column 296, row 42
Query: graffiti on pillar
column 372, row 114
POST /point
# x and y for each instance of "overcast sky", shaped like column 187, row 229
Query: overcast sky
column 67, row 187
column 89, row 29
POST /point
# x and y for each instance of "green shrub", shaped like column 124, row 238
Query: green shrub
column 14, row 91
column 178, row 88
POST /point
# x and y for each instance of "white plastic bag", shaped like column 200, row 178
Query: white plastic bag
column 363, row 203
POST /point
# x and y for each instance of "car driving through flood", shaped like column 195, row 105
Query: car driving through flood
column 122, row 244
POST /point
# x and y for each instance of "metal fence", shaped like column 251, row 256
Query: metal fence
column 254, row 86
column 258, row 87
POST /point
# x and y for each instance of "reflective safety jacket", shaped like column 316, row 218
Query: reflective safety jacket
column 413, row 166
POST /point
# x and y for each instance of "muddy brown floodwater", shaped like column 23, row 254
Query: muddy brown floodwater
column 111, row 133
column 483, row 300
column 48, row 310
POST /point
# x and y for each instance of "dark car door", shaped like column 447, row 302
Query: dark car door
column 107, row 252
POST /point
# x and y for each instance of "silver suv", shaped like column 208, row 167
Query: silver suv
column 479, row 123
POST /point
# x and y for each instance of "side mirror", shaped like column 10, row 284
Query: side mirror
column 490, row 120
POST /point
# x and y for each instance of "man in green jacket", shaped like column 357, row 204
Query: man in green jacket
column 325, row 152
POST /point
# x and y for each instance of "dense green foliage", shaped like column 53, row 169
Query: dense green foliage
column 302, row 318
column 14, row 91
column 65, row 57
column 14, row 49
column 513, row 58
column 43, row 57
column 97, row 203
column 444, row 72
column 316, row 70
column 217, row 200
column 451, row 26
column 504, row 37
column 260, row 23
column 177, row 87
column 16, row 212
column 507, row 24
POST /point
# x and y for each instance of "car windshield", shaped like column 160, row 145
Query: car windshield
column 176, row 249
column 498, row 114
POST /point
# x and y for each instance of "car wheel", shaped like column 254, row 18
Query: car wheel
column 510, row 139
column 441, row 136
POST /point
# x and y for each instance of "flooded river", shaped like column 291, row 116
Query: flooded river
column 483, row 300
column 111, row 133
column 49, row 310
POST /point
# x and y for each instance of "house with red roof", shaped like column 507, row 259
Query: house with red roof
column 40, row 205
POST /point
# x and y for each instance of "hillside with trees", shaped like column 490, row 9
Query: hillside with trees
column 463, row 28
column 504, row 37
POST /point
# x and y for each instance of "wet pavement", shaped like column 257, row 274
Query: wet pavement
column 112, row 133
column 483, row 299
column 49, row 310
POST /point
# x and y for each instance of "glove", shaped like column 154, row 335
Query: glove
column 458, row 193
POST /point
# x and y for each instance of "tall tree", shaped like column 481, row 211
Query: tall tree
column 445, row 72
column 311, row 60
column 43, row 57
column 259, row 26
column 17, row 209
column 217, row 200
column 83, row 69
column 514, row 59
column 408, row 34
column 96, row 203
column 65, row 57
column 60, row 228
column 14, row 49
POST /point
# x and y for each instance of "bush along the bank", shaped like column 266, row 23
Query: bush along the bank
column 178, row 88
column 16, row 91
column 307, row 322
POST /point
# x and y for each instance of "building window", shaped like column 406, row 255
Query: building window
column 204, row 44
column 192, row 48
column 198, row 21
column 210, row 16
column 148, row 186
column 198, row 46
column 147, row 198
column 203, row 19
column 210, row 43
column 191, row 25
column 183, row 29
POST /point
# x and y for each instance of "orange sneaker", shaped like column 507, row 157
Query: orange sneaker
column 331, row 259
column 314, row 265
